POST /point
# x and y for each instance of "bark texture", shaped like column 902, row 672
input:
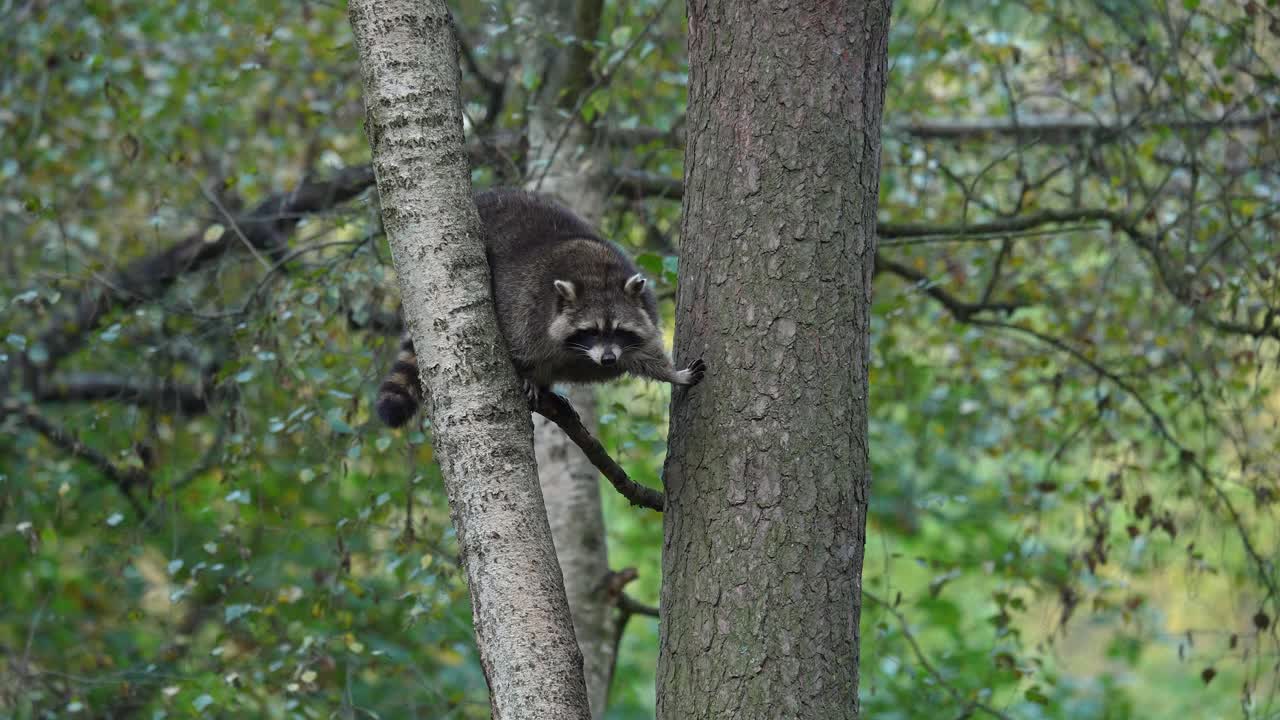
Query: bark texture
column 571, row 487
column 564, row 163
column 767, row 474
column 570, row 483
column 480, row 422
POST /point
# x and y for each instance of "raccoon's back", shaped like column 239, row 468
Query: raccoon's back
column 521, row 223
column 532, row 241
column 528, row 232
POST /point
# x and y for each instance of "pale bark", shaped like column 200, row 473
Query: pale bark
column 479, row 421
column 564, row 163
column 767, row 474
column 571, row 487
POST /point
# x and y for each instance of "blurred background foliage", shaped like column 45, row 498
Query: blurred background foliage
column 1074, row 426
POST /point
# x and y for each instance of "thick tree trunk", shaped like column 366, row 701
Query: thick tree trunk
column 479, row 422
column 566, row 164
column 767, row 474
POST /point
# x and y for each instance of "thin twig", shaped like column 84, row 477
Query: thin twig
column 1185, row 454
column 963, row 310
column 959, row 697
column 601, row 81
column 123, row 478
column 92, row 387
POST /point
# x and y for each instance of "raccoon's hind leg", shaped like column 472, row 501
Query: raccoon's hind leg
column 401, row 391
column 657, row 365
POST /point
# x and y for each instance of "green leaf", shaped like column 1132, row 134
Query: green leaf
column 651, row 263
column 340, row 426
column 234, row 612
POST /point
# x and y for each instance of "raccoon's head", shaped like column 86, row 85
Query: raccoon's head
column 603, row 323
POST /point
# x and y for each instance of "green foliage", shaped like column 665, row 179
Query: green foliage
column 1061, row 496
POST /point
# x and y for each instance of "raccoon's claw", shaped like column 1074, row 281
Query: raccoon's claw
column 531, row 390
column 693, row 374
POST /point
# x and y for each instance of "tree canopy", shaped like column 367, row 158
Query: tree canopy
column 1074, row 338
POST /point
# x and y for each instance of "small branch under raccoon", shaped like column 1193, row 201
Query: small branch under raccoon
column 558, row 410
column 631, row 606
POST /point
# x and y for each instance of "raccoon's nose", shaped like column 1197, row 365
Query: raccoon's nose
column 608, row 358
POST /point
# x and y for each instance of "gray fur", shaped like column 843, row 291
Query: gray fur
column 568, row 302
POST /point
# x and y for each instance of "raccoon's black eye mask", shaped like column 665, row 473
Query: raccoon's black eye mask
column 590, row 338
column 627, row 339
column 583, row 339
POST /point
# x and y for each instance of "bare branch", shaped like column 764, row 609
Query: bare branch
column 149, row 277
column 1019, row 223
column 632, row 137
column 1178, row 285
column 631, row 606
column 1169, row 274
column 614, row 583
column 1185, row 454
column 1053, row 130
column 558, row 410
column 1068, row 129
column 125, row 479
column 496, row 88
column 637, row 184
column 94, row 387
column 970, row 703
column 963, row 310
column 966, row 313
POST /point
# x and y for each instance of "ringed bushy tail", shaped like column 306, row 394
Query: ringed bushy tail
column 401, row 391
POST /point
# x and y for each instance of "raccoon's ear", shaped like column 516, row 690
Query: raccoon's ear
column 635, row 284
column 566, row 290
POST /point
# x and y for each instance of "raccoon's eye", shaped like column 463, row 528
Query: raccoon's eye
column 582, row 339
column 626, row 338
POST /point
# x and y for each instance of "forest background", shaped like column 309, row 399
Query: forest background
column 1074, row 416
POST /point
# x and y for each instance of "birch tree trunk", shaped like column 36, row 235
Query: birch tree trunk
column 479, row 421
column 767, row 473
column 565, row 163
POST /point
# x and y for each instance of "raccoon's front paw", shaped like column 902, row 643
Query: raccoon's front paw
column 693, row 374
column 531, row 390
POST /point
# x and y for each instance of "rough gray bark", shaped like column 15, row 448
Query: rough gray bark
column 767, row 474
column 479, row 421
column 564, row 163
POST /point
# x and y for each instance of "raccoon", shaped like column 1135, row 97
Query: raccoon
column 571, row 305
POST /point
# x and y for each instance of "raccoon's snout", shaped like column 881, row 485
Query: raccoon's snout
column 605, row 355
